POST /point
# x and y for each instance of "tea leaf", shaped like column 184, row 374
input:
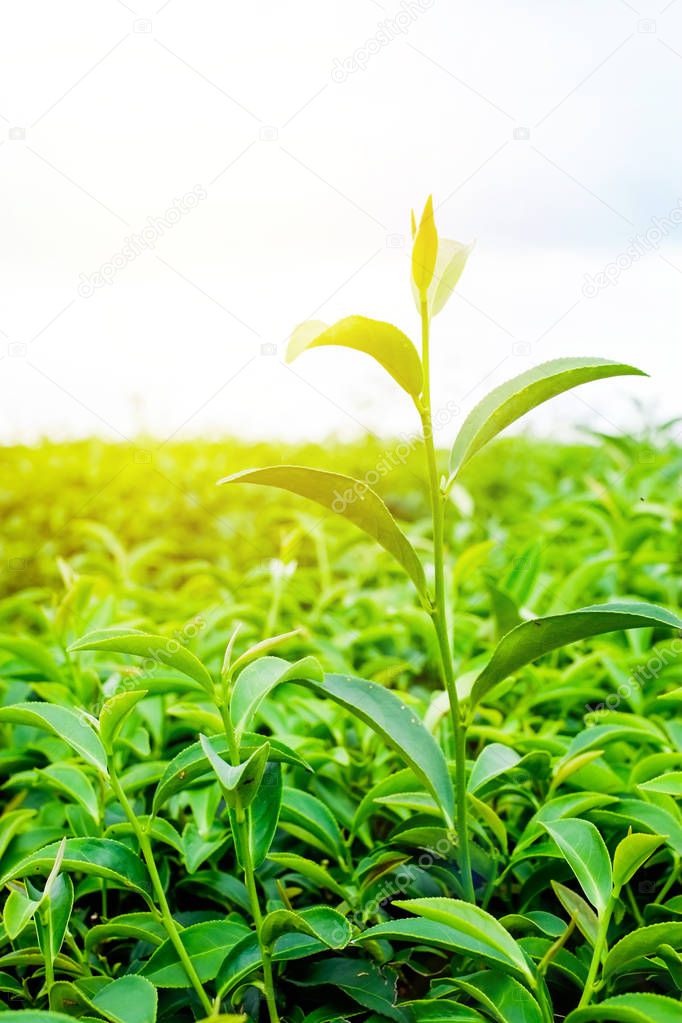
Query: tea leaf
column 524, row 392
column 242, row 780
column 321, row 922
column 259, row 678
column 470, row 931
column 398, row 726
column 538, row 636
column 62, row 722
column 389, row 346
column 191, row 765
column 207, row 944
column 631, row 853
column 352, row 499
column 584, row 850
column 425, row 250
column 631, row 1008
column 155, row 649
column 114, row 714
column 450, row 263
column 644, row 941
column 100, row 857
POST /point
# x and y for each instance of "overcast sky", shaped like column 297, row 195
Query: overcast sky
column 232, row 169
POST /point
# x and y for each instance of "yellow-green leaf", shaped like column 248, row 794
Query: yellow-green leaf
column 382, row 341
column 513, row 399
column 425, row 250
column 346, row 496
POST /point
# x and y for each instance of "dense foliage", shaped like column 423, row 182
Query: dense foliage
column 257, row 767
column 537, row 528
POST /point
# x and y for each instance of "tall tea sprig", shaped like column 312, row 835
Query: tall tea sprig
column 424, row 257
column 437, row 265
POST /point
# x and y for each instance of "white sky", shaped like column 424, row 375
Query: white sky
column 547, row 130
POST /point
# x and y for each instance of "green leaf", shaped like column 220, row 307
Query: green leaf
column 34, row 653
column 670, row 784
column 72, row 781
column 257, row 681
column 632, row 1008
column 586, row 919
column 65, row 724
column 584, row 850
column 207, row 945
column 346, row 496
column 9, row 985
column 35, row 1016
column 242, row 780
column 11, row 823
column 631, row 853
column 114, row 714
column 513, row 399
column 304, row 815
column 128, row 999
column 321, row 922
column 400, row 729
column 100, row 857
column 309, row 869
column 155, row 649
column 539, row 636
column 645, row 941
column 53, row 917
column 502, row 996
column 442, row 1010
column 635, row 812
column 441, row 935
column 492, row 761
column 140, row 926
column 191, row 764
column 362, row 981
column 19, row 910
column 264, row 813
column 477, row 932
column 382, row 341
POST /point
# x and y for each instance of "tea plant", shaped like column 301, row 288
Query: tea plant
column 436, row 269
column 257, row 786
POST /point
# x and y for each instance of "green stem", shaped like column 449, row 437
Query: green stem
column 557, row 946
column 166, row 915
column 598, row 952
column 544, row 1003
column 72, row 944
column 243, row 838
column 439, row 618
column 49, row 962
column 672, row 879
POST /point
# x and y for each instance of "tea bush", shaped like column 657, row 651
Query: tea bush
column 413, row 758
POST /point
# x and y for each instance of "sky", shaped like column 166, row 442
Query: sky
column 184, row 182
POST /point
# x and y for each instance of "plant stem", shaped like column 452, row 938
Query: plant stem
column 672, row 878
column 166, row 915
column 439, row 617
column 597, row 952
column 557, row 945
column 49, row 962
column 243, row 840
